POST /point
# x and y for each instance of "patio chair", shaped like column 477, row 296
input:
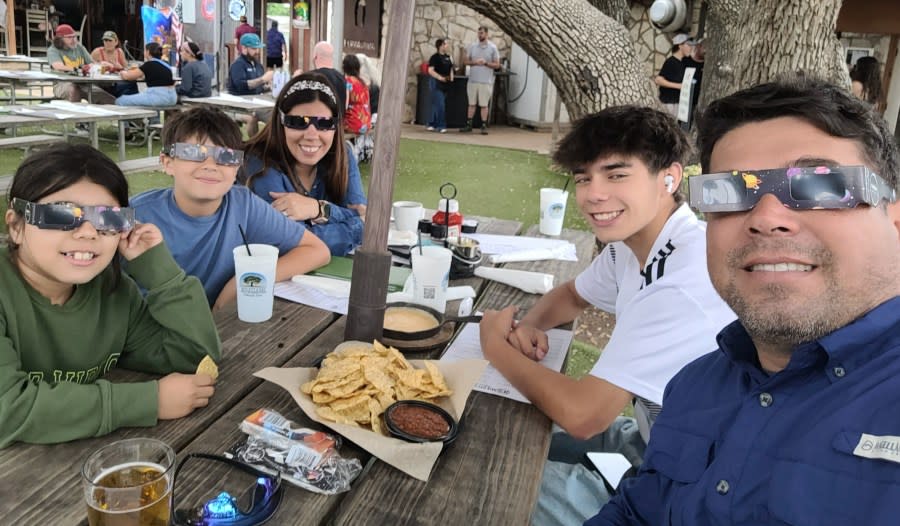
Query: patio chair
column 37, row 27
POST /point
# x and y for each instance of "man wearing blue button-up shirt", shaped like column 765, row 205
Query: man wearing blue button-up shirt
column 795, row 419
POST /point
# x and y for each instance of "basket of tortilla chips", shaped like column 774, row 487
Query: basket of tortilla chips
column 358, row 381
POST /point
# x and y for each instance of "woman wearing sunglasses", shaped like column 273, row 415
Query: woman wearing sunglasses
column 300, row 164
column 68, row 314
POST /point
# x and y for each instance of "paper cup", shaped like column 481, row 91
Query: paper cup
column 255, row 276
column 407, row 215
column 553, row 210
column 431, row 273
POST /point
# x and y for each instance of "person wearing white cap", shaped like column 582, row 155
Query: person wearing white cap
column 672, row 73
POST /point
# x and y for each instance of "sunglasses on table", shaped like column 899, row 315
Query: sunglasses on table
column 107, row 220
column 200, row 152
column 302, row 122
column 237, row 494
column 802, row 188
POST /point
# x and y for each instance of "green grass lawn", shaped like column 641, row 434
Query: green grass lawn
column 491, row 182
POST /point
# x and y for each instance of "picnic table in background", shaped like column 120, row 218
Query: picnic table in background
column 65, row 113
column 237, row 103
column 22, row 78
column 490, row 475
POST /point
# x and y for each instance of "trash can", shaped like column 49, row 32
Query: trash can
column 423, row 100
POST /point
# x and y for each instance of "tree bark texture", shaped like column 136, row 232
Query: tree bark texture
column 753, row 41
column 588, row 56
column 615, row 9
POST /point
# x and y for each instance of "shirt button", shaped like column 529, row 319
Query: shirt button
column 765, row 399
column 722, row 487
column 839, row 372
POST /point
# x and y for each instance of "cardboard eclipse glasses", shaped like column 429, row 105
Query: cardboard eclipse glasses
column 68, row 216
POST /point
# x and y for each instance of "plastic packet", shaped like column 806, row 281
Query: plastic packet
column 304, row 457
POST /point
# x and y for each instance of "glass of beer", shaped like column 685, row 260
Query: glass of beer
column 129, row 482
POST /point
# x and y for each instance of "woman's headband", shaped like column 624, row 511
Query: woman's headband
column 313, row 85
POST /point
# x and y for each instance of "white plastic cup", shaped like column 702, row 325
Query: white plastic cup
column 407, row 215
column 553, row 211
column 431, row 274
column 255, row 277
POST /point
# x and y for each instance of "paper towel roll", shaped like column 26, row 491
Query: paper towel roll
column 532, row 282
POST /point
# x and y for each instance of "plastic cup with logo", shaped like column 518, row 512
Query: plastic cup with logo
column 129, row 482
column 255, row 276
column 553, row 210
column 407, row 215
column 431, row 274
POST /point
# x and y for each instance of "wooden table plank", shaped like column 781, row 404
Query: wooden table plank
column 46, row 479
column 491, row 473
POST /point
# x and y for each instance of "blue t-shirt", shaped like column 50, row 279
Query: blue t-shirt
column 344, row 230
column 203, row 246
column 274, row 43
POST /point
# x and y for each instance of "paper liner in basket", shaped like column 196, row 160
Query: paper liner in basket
column 414, row 459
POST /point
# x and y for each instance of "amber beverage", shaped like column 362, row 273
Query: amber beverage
column 129, row 483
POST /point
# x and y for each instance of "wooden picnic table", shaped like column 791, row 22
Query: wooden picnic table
column 490, row 475
column 66, row 113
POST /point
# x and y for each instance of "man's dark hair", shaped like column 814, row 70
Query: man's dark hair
column 483, row 28
column 202, row 123
column 438, row 43
column 829, row 108
column 650, row 135
column 154, row 49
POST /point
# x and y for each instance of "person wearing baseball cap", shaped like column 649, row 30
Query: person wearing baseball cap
column 67, row 55
column 247, row 76
column 113, row 60
column 672, row 73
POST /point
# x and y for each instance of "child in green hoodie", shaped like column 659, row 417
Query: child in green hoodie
column 68, row 314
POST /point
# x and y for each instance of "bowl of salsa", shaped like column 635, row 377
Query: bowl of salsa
column 417, row 421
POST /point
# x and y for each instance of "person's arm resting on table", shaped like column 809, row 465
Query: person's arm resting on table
column 573, row 404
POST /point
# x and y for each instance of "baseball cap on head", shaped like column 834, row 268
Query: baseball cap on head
column 251, row 40
column 64, row 30
column 679, row 39
column 110, row 35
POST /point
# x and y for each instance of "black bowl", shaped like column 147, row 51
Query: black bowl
column 396, row 431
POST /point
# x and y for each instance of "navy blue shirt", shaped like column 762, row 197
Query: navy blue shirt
column 735, row 445
column 240, row 72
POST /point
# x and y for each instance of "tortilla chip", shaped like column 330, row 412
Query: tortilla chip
column 208, row 367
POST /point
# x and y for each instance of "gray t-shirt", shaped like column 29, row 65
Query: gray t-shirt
column 487, row 51
column 77, row 57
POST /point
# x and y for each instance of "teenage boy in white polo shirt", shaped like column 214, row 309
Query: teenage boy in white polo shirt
column 627, row 166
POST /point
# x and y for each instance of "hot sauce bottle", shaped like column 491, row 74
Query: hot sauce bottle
column 448, row 214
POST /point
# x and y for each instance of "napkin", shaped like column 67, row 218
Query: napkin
column 531, row 282
column 414, row 459
column 536, row 254
column 336, row 288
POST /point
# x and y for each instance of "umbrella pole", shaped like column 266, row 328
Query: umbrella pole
column 372, row 261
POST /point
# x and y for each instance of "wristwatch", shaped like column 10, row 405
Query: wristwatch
column 324, row 213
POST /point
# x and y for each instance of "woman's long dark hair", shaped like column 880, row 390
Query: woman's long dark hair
column 271, row 147
column 867, row 72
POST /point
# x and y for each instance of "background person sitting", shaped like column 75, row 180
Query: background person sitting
column 358, row 119
column 111, row 57
column 369, row 74
column 196, row 77
column 247, row 76
column 157, row 74
column 68, row 56
column 866, row 82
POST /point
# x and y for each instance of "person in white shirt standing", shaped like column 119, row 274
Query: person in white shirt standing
column 483, row 59
column 627, row 167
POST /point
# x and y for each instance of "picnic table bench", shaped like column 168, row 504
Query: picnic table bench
column 29, row 141
column 490, row 475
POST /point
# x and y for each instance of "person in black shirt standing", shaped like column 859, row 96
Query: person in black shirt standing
column 672, row 73
column 696, row 60
column 440, row 69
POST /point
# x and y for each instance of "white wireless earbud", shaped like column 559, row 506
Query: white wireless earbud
column 670, row 183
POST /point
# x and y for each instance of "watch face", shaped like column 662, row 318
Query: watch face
column 326, row 209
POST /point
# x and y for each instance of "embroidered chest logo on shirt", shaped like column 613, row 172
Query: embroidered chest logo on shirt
column 657, row 266
column 881, row 447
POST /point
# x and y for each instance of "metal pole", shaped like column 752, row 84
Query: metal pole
column 372, row 261
column 337, row 31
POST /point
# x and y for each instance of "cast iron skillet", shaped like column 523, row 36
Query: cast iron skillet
column 428, row 333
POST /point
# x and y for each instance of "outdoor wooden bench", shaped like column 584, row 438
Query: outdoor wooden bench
column 28, row 141
column 139, row 165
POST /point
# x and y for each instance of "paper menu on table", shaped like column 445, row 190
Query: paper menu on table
column 467, row 345
column 310, row 296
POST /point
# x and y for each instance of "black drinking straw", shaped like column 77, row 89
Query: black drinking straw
column 419, row 232
column 244, row 237
column 565, row 186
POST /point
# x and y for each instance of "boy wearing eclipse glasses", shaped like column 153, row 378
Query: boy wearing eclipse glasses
column 794, row 418
column 202, row 214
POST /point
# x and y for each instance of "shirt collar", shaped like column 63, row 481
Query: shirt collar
column 851, row 345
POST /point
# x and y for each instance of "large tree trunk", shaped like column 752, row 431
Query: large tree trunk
column 588, row 56
column 754, row 41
